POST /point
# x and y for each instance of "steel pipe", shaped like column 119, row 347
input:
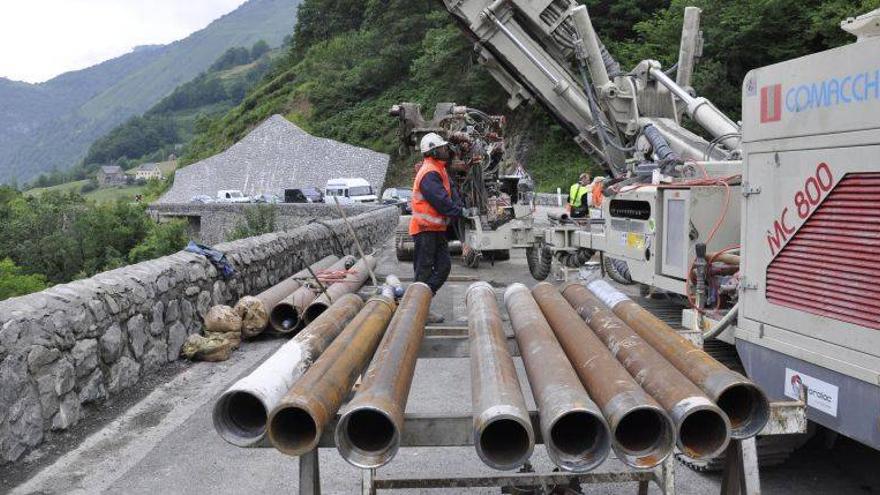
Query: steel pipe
column 503, row 434
column 240, row 414
column 574, row 431
column 745, row 403
column 702, row 428
column 255, row 314
column 368, row 432
column 286, row 316
column 642, row 433
column 357, row 275
column 298, row 421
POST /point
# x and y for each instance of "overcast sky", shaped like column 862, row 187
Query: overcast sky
column 40, row 39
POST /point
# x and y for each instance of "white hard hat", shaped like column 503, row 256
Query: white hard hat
column 431, row 141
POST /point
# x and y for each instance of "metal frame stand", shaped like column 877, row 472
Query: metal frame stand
column 740, row 477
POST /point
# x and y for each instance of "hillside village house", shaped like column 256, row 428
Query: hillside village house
column 148, row 171
column 111, row 175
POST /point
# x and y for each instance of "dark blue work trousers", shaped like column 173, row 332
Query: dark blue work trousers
column 431, row 260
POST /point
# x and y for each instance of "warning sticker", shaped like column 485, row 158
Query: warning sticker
column 635, row 241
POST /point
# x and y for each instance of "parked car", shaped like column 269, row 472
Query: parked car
column 400, row 196
column 232, row 196
column 355, row 190
column 303, row 195
column 202, row 199
column 267, row 198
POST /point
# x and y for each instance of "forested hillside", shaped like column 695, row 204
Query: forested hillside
column 352, row 59
column 51, row 125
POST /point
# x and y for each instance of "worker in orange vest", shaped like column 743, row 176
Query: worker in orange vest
column 434, row 204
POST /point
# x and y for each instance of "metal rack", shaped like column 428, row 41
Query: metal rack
column 741, row 473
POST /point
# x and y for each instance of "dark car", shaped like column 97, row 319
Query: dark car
column 399, row 196
column 303, row 195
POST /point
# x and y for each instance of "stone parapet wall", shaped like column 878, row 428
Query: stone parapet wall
column 81, row 342
column 549, row 199
column 212, row 223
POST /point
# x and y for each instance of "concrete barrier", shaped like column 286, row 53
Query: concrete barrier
column 81, row 342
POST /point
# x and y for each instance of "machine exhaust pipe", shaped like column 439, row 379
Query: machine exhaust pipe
column 368, row 432
column 503, row 434
column 241, row 413
column 286, row 316
column 357, row 275
column 745, row 403
column 297, row 423
column 703, row 430
column 642, row 433
column 255, row 310
column 574, row 431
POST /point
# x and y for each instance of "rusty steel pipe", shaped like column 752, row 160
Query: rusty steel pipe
column 503, row 434
column 286, row 316
column 241, row 413
column 745, row 403
column 574, row 431
column 357, row 275
column 298, row 421
column 255, row 310
column 642, row 433
column 368, row 432
column 702, row 428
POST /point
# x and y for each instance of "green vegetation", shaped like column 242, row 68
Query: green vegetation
column 351, row 60
column 51, row 125
column 258, row 220
column 13, row 282
column 57, row 237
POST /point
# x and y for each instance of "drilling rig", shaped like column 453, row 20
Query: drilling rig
column 767, row 228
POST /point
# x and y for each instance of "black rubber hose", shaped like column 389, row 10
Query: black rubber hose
column 539, row 259
column 664, row 152
column 618, row 270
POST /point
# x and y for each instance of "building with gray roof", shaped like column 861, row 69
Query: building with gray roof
column 275, row 156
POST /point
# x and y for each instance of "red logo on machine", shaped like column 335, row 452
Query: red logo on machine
column 771, row 103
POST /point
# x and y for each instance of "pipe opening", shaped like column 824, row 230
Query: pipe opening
column 284, row 318
column 313, row 311
column 703, row 433
column 370, row 431
column 504, row 442
column 747, row 409
column 244, row 415
column 294, row 430
column 576, row 433
column 640, row 430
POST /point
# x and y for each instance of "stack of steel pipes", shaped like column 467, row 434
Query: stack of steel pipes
column 255, row 310
column 605, row 374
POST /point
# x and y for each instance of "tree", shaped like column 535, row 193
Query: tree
column 163, row 239
column 259, row 49
column 14, row 282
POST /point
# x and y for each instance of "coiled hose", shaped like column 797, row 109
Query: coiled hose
column 539, row 259
column 618, row 270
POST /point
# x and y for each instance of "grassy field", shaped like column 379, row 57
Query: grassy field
column 102, row 195
column 66, row 187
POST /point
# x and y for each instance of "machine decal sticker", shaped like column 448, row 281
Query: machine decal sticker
column 821, row 396
column 805, row 201
column 771, row 103
column 861, row 87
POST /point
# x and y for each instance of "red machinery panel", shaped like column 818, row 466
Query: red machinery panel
column 831, row 267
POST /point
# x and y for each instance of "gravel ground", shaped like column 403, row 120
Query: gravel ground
column 165, row 443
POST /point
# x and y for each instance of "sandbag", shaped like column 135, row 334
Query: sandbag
column 222, row 319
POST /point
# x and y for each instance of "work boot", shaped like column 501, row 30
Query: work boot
column 434, row 318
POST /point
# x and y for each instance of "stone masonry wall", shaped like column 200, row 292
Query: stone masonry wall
column 212, row 223
column 80, row 342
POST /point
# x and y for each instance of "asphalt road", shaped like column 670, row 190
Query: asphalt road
column 165, row 443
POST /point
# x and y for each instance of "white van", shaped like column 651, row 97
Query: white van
column 348, row 191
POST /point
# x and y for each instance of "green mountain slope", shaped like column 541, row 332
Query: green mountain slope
column 51, row 125
column 351, row 60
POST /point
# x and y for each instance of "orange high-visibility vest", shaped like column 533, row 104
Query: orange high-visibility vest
column 424, row 217
column 598, row 194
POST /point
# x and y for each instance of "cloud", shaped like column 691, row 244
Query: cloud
column 43, row 38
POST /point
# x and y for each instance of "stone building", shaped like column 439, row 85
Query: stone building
column 111, row 175
column 148, row 171
column 275, row 156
